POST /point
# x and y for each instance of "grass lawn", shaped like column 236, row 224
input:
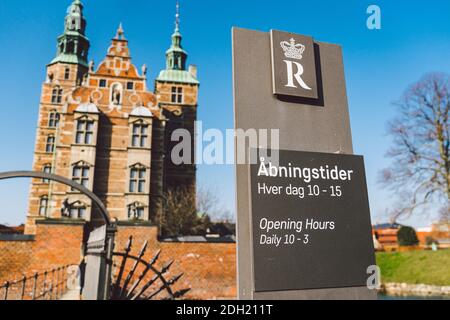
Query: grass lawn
column 415, row 267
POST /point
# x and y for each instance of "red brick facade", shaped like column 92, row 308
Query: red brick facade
column 209, row 268
column 104, row 128
column 54, row 245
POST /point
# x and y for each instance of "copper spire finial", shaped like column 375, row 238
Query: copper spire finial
column 120, row 33
column 177, row 16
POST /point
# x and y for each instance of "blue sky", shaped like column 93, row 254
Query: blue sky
column 379, row 65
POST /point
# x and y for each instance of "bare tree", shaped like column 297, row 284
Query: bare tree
column 420, row 170
column 185, row 214
column 209, row 204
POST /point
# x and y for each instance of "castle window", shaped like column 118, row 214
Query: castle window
column 140, row 135
column 43, row 206
column 67, row 74
column 137, row 179
column 57, row 95
column 85, row 131
column 136, row 211
column 50, row 145
column 77, row 210
column 70, row 47
column 177, row 95
column 130, row 85
column 53, row 120
column 80, row 174
column 47, row 169
column 102, row 83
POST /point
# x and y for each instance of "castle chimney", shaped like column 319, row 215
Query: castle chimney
column 193, row 70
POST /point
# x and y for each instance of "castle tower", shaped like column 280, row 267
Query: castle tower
column 103, row 129
column 95, row 129
column 177, row 90
column 66, row 70
column 70, row 63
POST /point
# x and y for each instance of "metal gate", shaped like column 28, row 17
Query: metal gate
column 98, row 249
column 98, row 258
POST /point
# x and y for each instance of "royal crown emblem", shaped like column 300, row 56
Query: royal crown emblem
column 293, row 50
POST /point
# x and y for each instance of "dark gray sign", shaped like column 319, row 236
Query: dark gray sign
column 311, row 222
column 302, row 128
column 293, row 65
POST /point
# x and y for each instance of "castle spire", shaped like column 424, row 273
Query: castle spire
column 73, row 46
column 177, row 17
column 176, row 57
column 120, row 33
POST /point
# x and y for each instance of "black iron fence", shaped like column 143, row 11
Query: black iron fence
column 140, row 278
column 47, row 285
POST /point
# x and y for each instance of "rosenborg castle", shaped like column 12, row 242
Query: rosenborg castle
column 101, row 126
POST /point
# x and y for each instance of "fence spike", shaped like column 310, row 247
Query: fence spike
column 147, row 285
column 24, row 284
column 123, row 290
column 33, row 295
column 156, row 257
column 143, row 274
column 181, row 293
column 167, row 267
column 175, row 279
column 6, row 287
column 116, row 289
column 129, row 244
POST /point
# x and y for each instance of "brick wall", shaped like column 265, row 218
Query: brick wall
column 209, row 268
column 55, row 244
column 14, row 258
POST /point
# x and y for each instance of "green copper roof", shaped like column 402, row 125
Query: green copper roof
column 178, row 76
column 73, row 46
column 176, row 59
column 71, row 59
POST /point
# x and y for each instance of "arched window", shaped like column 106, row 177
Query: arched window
column 80, row 174
column 43, row 206
column 137, row 179
column 47, row 169
column 50, row 146
column 136, row 211
column 53, row 119
column 57, row 95
column 85, row 131
column 77, row 210
column 139, row 137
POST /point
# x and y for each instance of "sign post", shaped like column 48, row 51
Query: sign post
column 304, row 228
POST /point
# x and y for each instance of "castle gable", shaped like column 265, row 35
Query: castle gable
column 118, row 60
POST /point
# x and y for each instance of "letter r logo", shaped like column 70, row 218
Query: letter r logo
column 294, row 69
column 297, row 75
